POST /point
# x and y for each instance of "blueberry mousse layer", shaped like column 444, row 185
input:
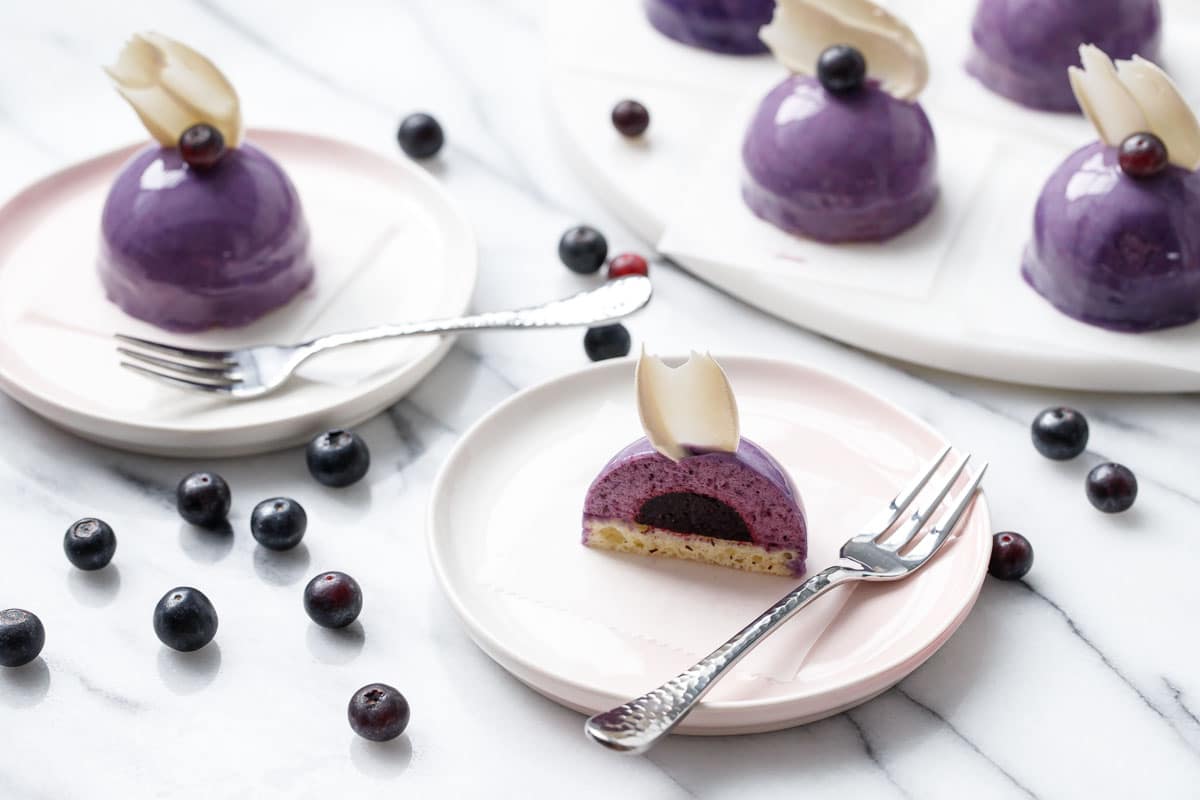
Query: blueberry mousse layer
column 735, row 509
column 188, row 248
column 1022, row 49
column 839, row 168
column 723, row 26
column 1117, row 251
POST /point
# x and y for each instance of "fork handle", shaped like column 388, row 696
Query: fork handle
column 635, row 726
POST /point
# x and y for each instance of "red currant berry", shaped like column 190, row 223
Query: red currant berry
column 627, row 264
column 1142, row 155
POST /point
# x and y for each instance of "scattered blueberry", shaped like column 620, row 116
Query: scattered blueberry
column 606, row 341
column 185, row 619
column 1012, row 556
column 627, row 264
column 21, row 637
column 278, row 523
column 338, row 458
column 203, row 499
column 378, row 712
column 630, row 118
column 1142, row 155
column 1060, row 433
column 333, row 599
column 583, row 249
column 420, row 136
column 1112, row 488
column 841, row 69
column 201, row 146
column 90, row 543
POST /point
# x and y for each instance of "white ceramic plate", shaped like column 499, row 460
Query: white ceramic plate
column 388, row 245
column 591, row 629
column 947, row 294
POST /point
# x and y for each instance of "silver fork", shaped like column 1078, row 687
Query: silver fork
column 876, row 555
column 254, row 371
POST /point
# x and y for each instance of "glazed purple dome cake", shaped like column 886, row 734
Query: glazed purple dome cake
column 856, row 167
column 732, row 509
column 1116, row 251
column 723, row 26
column 189, row 249
column 1022, row 49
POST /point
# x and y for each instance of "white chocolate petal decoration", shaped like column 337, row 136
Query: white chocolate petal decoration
column 801, row 29
column 1132, row 97
column 1167, row 114
column 687, row 409
column 172, row 87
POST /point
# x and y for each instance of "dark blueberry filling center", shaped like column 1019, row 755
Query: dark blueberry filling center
column 685, row 512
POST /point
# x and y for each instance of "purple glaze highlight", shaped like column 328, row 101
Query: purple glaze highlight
column 188, row 249
column 851, row 168
column 750, row 481
column 1114, row 251
column 723, row 26
column 1022, row 49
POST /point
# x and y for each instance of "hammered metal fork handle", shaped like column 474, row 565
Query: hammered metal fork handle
column 635, row 727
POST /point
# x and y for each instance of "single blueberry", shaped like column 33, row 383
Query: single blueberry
column 378, row 712
column 841, row 69
column 420, row 136
column 21, row 637
column 333, row 599
column 203, row 499
column 90, row 543
column 338, row 458
column 583, row 249
column 630, row 118
column 278, row 523
column 185, row 619
column 1112, row 488
column 1012, row 556
column 1060, row 433
column 606, row 341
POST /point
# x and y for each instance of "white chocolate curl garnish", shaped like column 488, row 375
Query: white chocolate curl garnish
column 172, row 88
column 801, row 29
column 1135, row 97
column 687, row 409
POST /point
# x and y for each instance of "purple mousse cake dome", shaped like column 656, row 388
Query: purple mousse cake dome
column 1022, row 49
column 839, row 168
column 723, row 26
column 1116, row 251
column 746, row 494
column 189, row 249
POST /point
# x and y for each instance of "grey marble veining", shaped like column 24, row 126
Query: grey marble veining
column 1081, row 682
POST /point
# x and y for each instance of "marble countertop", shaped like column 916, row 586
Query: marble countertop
column 1079, row 682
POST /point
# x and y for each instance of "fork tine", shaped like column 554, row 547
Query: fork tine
column 879, row 525
column 917, row 521
column 940, row 533
column 177, row 366
column 218, row 356
column 177, row 381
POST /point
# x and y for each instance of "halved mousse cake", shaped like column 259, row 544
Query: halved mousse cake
column 692, row 488
column 200, row 229
column 1116, row 232
column 723, row 26
column 1022, row 49
column 840, row 151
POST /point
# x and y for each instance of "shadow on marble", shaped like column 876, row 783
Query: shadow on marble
column 381, row 759
column 95, row 588
column 188, row 673
column 336, row 645
column 282, row 568
column 206, row 545
column 24, row 687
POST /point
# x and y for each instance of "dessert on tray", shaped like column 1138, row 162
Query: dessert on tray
column 1116, row 231
column 692, row 488
column 199, row 229
column 1022, row 49
column 840, row 151
column 724, row 26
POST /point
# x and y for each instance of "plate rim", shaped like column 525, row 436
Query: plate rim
column 87, row 422
column 476, row 631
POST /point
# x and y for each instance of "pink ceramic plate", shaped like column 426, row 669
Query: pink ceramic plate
column 591, row 629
